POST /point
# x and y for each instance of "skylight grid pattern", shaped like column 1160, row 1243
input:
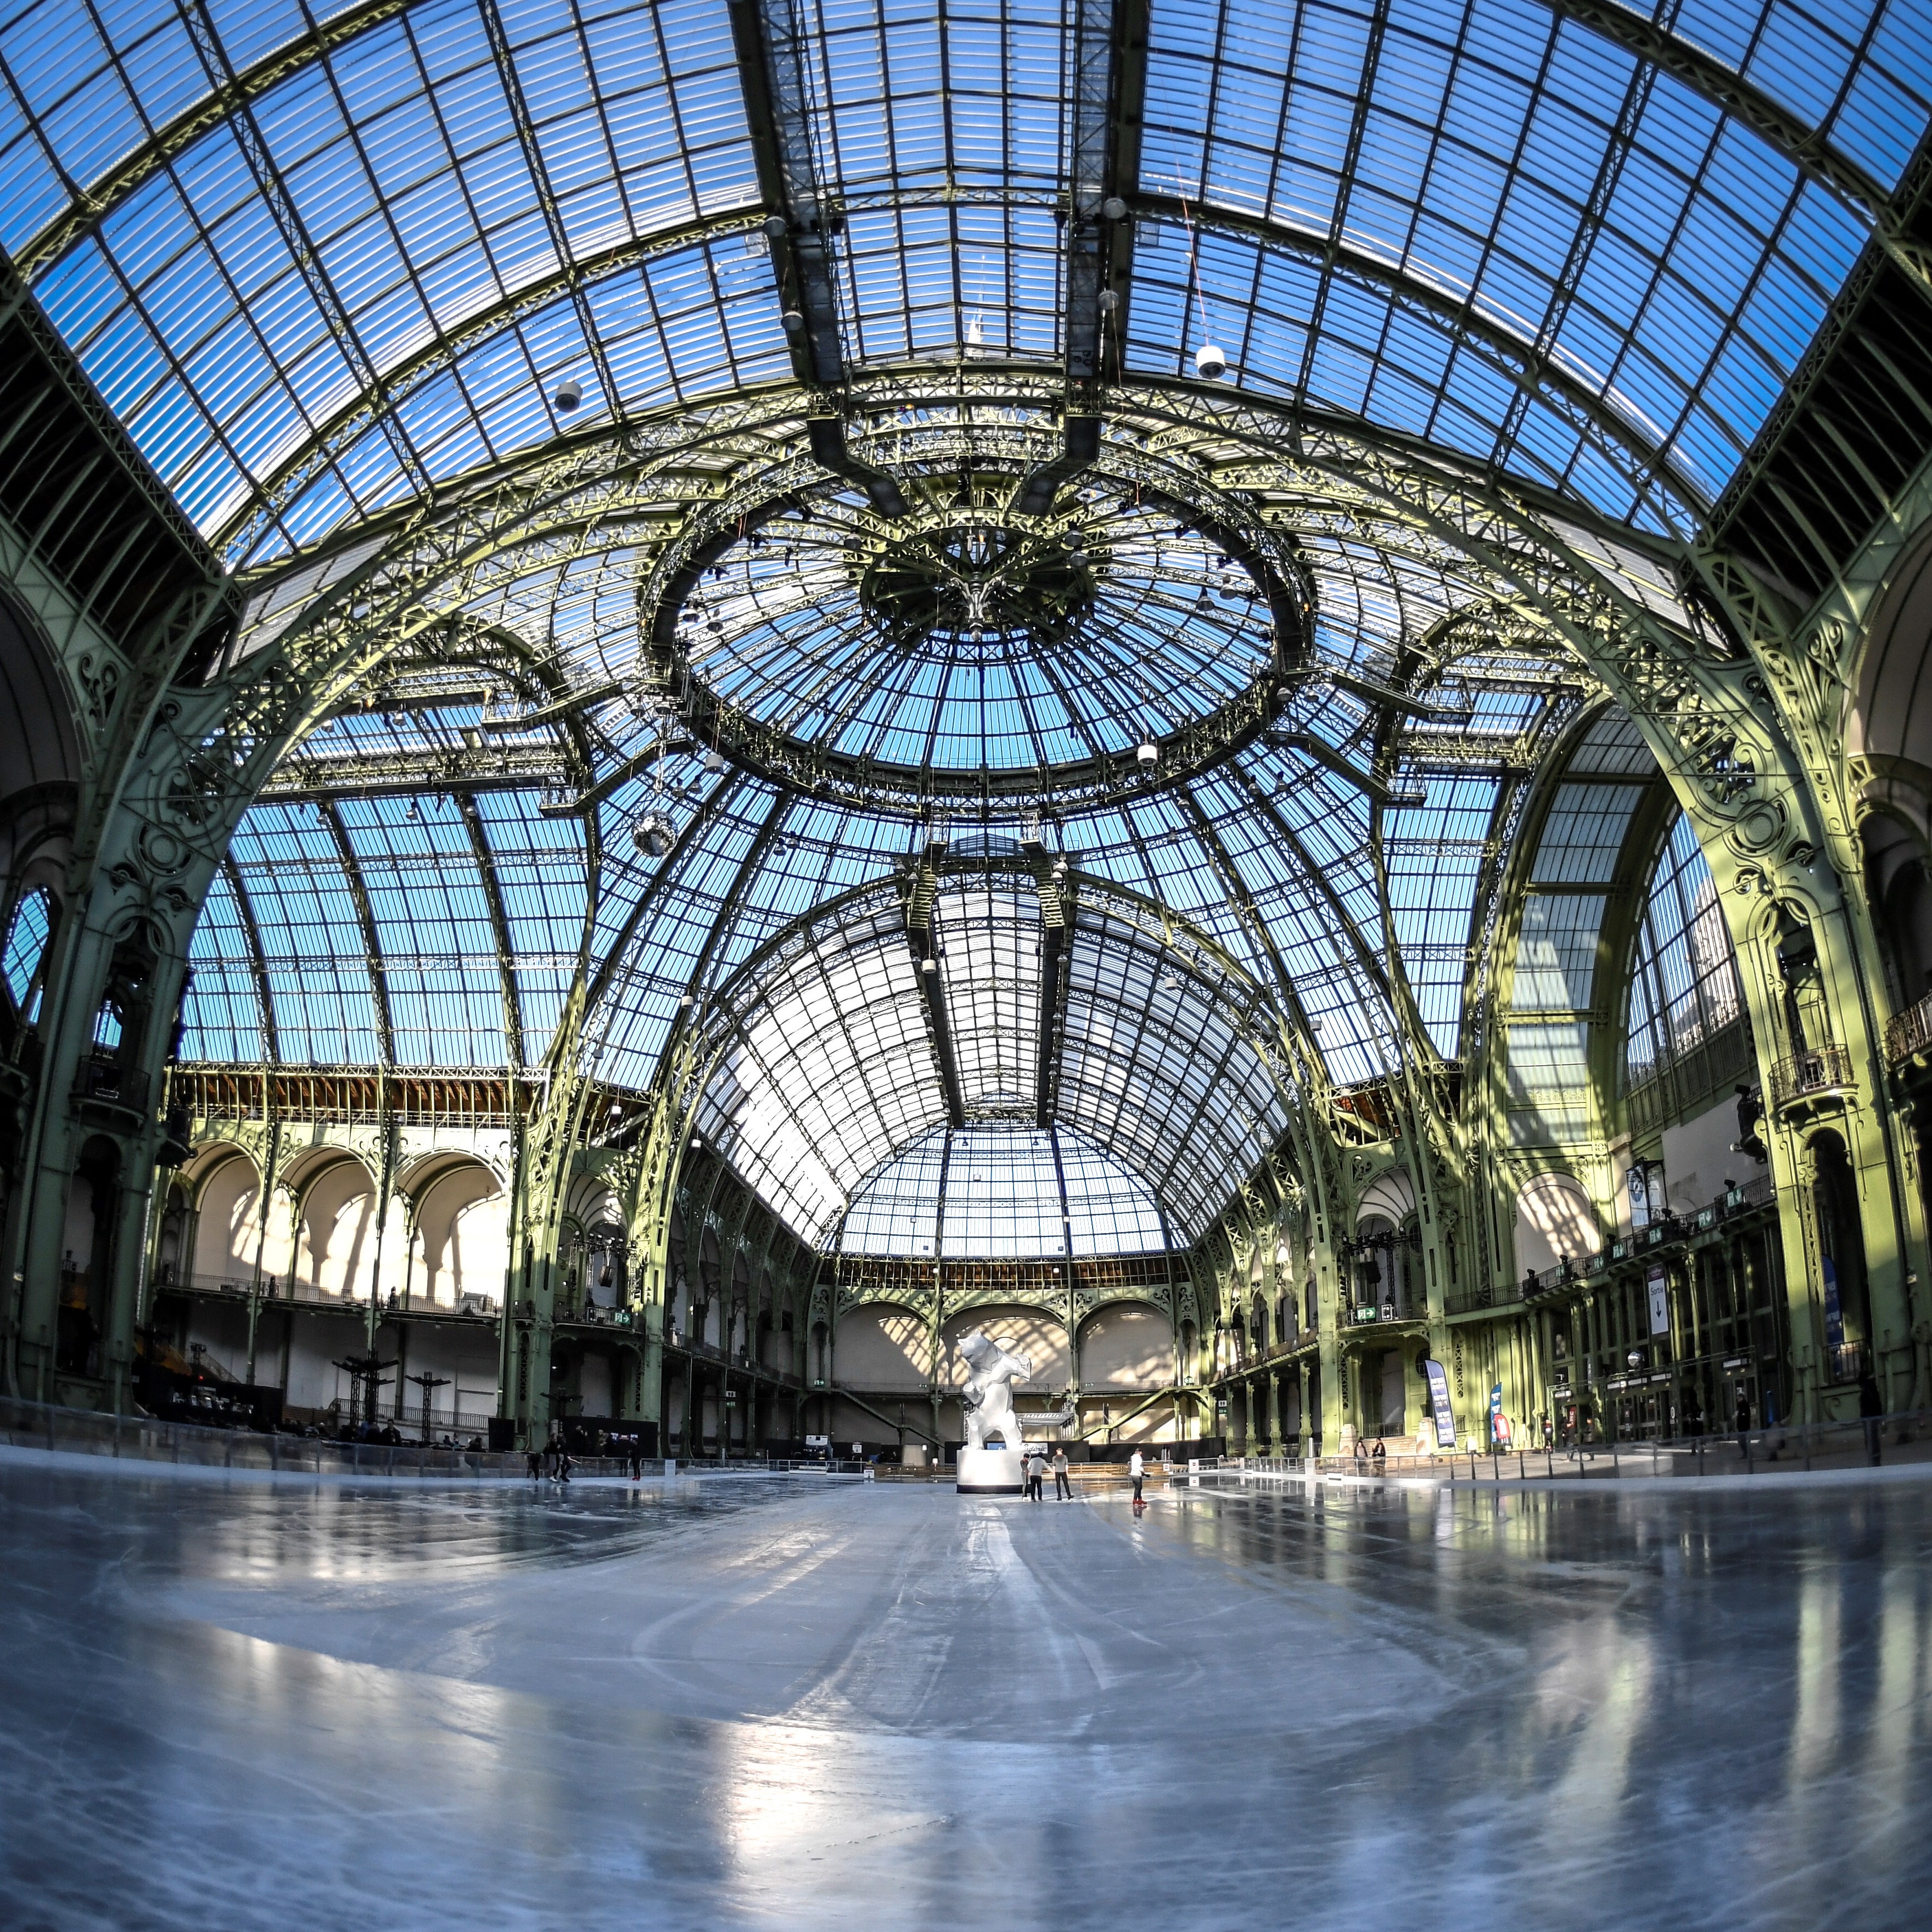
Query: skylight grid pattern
column 28, row 932
column 1152, row 1069
column 830, row 1072
column 953, row 278
column 1002, row 1197
column 897, row 1211
column 1464, row 148
column 437, row 945
column 241, row 303
column 1433, row 854
column 656, row 942
column 1584, row 833
column 93, row 80
column 538, row 864
column 1109, row 1211
column 989, row 965
column 968, row 98
column 1855, row 69
column 709, row 815
column 688, row 322
column 1556, row 952
column 221, row 1008
column 319, row 970
column 1684, row 977
column 1164, row 632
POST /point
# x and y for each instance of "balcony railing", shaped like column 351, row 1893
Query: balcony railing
column 1909, row 1033
column 1814, row 1073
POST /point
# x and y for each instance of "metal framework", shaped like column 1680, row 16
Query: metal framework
column 885, row 535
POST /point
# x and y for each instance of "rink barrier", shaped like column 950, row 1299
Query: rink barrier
column 37, row 1425
column 1861, row 1442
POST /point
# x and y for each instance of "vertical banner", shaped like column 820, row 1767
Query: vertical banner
column 1834, row 1308
column 1499, row 1428
column 1438, row 1401
column 1638, row 1180
column 1660, row 1301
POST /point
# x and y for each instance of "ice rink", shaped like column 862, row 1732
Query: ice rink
column 802, row 1702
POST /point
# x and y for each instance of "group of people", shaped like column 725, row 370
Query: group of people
column 1035, row 1468
column 556, row 1461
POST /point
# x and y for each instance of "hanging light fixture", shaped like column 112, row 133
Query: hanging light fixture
column 1147, row 754
column 568, row 395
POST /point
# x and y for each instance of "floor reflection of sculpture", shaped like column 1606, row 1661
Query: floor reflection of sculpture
column 988, row 1399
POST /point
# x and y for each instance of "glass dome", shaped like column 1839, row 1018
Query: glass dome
column 968, row 648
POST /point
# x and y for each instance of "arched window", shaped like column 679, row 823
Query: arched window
column 26, row 946
column 1684, row 981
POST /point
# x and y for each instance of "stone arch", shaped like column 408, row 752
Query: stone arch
column 1898, row 887
column 1035, row 1333
column 1126, row 1345
column 225, row 1196
column 1554, row 1222
column 461, row 1235
column 883, row 1349
column 335, row 1195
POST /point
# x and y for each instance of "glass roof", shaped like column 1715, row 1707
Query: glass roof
column 966, row 646
column 374, row 277
column 999, row 1191
column 329, row 263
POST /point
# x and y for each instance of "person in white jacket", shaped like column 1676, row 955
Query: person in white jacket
column 1137, row 1469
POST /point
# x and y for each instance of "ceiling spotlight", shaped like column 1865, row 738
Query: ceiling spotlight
column 1169, row 984
column 1114, row 207
column 654, row 834
column 928, row 966
column 714, row 761
column 1148, row 756
column 568, row 394
column 775, row 226
column 794, row 321
column 1210, row 364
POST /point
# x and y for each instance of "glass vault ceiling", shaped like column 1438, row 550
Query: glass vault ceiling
column 372, row 278
column 329, row 265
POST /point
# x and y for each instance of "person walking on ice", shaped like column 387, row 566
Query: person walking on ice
column 1063, row 1490
column 1137, row 1469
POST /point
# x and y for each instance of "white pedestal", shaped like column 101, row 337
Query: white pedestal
column 990, row 1472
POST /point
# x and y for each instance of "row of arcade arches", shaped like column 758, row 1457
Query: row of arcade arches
column 446, row 1237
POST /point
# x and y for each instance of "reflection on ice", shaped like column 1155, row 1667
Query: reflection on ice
column 745, row 1702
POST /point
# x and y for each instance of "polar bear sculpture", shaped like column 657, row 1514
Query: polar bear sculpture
column 988, row 1397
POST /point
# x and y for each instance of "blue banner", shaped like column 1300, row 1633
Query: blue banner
column 1438, row 1400
column 1499, row 1428
column 1834, row 1312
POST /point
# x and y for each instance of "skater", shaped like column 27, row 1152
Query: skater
column 1137, row 1469
column 535, row 1459
column 1063, row 1488
column 1036, row 1475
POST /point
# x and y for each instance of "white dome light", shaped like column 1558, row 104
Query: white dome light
column 1210, row 364
column 568, row 395
column 1148, row 756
